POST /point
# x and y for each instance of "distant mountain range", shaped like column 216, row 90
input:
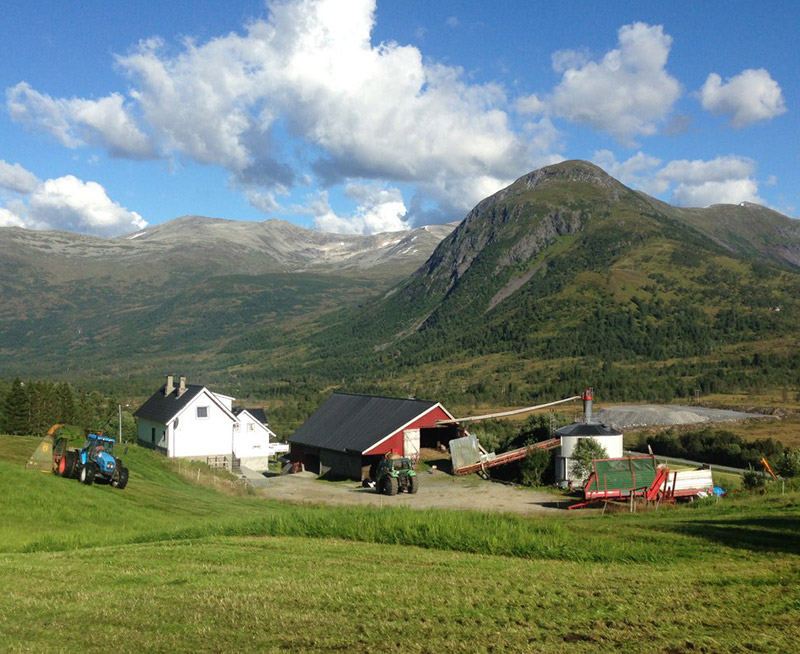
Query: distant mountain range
column 564, row 278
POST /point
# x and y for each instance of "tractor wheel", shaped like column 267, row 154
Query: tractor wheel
column 58, row 467
column 392, row 486
column 121, row 477
column 87, row 473
column 413, row 484
column 70, row 460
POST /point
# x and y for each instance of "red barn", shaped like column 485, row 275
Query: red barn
column 349, row 433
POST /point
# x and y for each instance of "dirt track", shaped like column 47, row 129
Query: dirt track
column 438, row 490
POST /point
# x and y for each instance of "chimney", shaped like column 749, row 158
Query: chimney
column 181, row 386
column 587, row 397
column 169, row 386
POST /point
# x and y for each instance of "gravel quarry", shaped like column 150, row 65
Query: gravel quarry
column 653, row 415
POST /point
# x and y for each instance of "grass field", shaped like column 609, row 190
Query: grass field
column 172, row 565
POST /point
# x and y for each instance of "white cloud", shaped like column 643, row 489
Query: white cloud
column 375, row 112
column 628, row 93
column 750, row 96
column 64, row 203
column 10, row 219
column 16, row 179
column 380, row 209
column 452, row 21
column 530, row 104
column 77, row 122
column 697, row 183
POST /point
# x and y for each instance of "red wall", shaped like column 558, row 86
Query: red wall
column 395, row 442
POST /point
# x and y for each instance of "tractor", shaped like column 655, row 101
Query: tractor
column 396, row 474
column 95, row 461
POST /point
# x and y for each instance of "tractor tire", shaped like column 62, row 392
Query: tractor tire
column 87, row 473
column 120, row 478
column 392, row 486
column 58, row 467
column 413, row 484
column 69, row 465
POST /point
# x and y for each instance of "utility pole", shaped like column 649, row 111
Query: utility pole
column 120, row 423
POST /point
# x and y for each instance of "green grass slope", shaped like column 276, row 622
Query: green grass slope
column 166, row 565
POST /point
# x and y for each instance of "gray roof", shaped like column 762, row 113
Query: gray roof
column 258, row 414
column 587, row 429
column 348, row 422
column 163, row 409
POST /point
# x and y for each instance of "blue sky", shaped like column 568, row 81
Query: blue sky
column 361, row 116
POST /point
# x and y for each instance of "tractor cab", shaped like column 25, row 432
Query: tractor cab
column 100, row 450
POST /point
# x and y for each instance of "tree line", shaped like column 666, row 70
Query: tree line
column 30, row 408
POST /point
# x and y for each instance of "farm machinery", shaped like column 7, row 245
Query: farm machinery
column 93, row 461
column 393, row 475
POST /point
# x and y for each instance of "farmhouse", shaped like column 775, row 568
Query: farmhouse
column 349, row 433
column 190, row 421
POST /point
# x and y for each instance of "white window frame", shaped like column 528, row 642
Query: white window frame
column 197, row 413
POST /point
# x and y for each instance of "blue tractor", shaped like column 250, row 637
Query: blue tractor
column 96, row 461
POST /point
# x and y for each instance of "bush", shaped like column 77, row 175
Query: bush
column 586, row 451
column 788, row 464
column 534, row 467
column 753, row 480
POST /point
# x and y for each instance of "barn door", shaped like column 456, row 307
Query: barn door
column 411, row 444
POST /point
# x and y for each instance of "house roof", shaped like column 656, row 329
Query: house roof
column 161, row 409
column 348, row 422
column 258, row 414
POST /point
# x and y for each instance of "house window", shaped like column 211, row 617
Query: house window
column 152, row 434
column 202, row 412
column 235, row 426
column 251, row 426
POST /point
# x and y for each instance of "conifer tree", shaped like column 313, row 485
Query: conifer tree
column 15, row 415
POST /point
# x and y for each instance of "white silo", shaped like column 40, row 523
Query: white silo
column 608, row 437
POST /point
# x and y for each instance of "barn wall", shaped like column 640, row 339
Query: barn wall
column 395, row 442
column 340, row 464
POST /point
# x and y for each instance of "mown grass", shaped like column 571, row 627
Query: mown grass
column 166, row 565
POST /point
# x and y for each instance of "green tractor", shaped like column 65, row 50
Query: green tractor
column 394, row 475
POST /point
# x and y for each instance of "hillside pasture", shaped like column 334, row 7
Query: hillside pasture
column 168, row 565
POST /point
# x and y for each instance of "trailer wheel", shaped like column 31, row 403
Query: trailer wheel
column 413, row 484
column 121, row 477
column 87, row 473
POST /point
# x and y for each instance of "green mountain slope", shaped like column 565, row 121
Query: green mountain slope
column 567, row 277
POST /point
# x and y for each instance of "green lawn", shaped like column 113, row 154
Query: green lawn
column 169, row 565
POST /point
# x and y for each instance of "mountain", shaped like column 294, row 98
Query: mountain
column 75, row 305
column 566, row 278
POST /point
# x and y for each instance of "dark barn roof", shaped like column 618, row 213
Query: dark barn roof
column 163, row 409
column 587, row 429
column 348, row 422
column 258, row 414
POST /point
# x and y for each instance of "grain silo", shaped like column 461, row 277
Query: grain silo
column 608, row 437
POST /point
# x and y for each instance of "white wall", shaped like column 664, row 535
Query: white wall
column 194, row 436
column 611, row 443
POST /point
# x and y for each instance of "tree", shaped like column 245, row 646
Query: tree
column 586, row 451
column 788, row 465
column 15, row 418
column 532, row 468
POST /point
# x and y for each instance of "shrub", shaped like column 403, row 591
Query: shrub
column 788, row 464
column 584, row 453
column 534, row 467
column 753, row 480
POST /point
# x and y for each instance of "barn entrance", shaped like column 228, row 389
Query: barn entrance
column 434, row 437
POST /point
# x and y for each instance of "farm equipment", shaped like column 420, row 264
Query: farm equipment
column 94, row 461
column 394, row 475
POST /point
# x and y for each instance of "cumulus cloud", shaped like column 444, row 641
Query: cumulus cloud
column 380, row 209
column 308, row 72
column 16, row 179
column 78, row 122
column 750, row 96
column 628, row 93
column 65, row 203
column 696, row 183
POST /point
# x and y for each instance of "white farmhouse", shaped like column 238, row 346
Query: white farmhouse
column 190, row 421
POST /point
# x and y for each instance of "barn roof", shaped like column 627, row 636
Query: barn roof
column 348, row 422
column 162, row 409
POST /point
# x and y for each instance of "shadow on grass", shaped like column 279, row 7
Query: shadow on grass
column 775, row 534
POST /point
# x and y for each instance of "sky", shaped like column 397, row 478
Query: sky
column 364, row 116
